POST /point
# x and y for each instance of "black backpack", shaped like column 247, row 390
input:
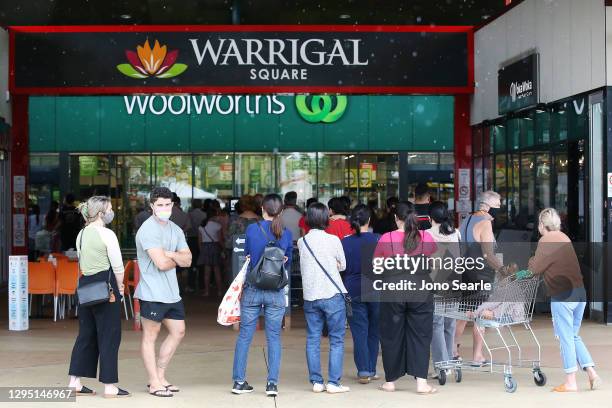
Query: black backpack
column 269, row 273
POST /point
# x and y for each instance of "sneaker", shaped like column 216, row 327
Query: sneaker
column 363, row 380
column 241, row 388
column 337, row 389
column 271, row 389
column 318, row 387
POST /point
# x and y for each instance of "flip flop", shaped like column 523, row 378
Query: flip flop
column 84, row 391
column 169, row 387
column 431, row 391
column 159, row 393
column 479, row 364
column 595, row 383
column 562, row 388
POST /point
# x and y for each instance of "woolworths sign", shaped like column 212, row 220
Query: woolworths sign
column 311, row 108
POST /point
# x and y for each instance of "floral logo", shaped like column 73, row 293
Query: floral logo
column 151, row 62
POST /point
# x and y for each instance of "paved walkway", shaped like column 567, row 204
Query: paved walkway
column 202, row 367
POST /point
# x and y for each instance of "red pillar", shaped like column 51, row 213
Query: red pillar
column 463, row 155
column 19, row 175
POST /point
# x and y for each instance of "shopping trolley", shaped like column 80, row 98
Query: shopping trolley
column 510, row 303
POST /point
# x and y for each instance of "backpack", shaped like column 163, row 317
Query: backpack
column 269, row 273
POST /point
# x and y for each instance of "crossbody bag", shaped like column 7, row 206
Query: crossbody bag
column 93, row 293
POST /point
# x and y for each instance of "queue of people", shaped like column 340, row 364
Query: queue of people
column 333, row 267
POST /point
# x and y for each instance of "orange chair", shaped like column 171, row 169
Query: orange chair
column 41, row 281
column 59, row 255
column 128, row 280
column 66, row 284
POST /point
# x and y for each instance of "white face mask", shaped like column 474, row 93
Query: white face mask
column 164, row 214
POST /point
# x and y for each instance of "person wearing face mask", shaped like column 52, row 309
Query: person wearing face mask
column 99, row 325
column 477, row 236
column 161, row 247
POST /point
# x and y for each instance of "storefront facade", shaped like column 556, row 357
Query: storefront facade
column 539, row 133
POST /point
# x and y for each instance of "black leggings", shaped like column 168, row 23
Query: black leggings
column 99, row 336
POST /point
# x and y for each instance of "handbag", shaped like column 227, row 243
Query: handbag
column 348, row 302
column 269, row 273
column 93, row 293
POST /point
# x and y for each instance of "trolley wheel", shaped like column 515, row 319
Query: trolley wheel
column 539, row 377
column 458, row 375
column 510, row 384
column 442, row 377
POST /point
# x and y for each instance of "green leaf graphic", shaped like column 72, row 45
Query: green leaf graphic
column 128, row 70
column 176, row 69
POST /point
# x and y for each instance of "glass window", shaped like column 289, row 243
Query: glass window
column 175, row 172
column 543, row 180
column 542, row 126
column 560, row 122
column 527, row 183
column 488, row 172
column 560, row 179
column 499, row 133
column 334, row 175
column 298, row 172
column 478, row 177
column 477, row 141
column 514, row 135
column 93, row 176
column 255, row 174
column 44, row 180
column 527, row 131
column 214, row 175
column 501, row 186
column 514, row 188
column 378, row 177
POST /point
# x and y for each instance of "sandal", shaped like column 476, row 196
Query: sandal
column 595, row 383
column 162, row 393
column 84, row 391
column 120, row 394
column 562, row 388
column 169, row 387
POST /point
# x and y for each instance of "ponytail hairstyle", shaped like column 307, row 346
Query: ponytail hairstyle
column 439, row 213
column 92, row 208
column 273, row 205
column 360, row 216
column 405, row 212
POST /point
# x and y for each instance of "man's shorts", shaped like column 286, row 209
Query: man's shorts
column 158, row 311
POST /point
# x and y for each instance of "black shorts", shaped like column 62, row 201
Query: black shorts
column 158, row 311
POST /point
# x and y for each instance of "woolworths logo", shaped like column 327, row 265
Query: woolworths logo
column 321, row 108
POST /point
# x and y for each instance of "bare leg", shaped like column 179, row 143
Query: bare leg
column 207, row 280
column 150, row 331
column 423, row 387
column 176, row 332
column 75, row 382
column 478, row 343
column 459, row 329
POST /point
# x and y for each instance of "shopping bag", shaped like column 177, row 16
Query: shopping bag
column 229, row 309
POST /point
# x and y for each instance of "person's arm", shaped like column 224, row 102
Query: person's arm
column 113, row 251
column 340, row 258
column 487, row 243
column 541, row 261
column 182, row 256
column 161, row 260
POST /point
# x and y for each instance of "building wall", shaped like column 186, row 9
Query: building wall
column 570, row 36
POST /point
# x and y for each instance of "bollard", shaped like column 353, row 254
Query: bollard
column 137, row 323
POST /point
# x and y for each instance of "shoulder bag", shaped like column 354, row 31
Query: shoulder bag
column 93, row 293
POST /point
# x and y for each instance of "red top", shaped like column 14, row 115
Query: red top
column 340, row 228
column 302, row 224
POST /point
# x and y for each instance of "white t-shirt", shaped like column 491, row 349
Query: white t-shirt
column 210, row 233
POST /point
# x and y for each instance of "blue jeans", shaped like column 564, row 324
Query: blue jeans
column 443, row 338
column 364, row 327
column 567, row 317
column 251, row 303
column 333, row 312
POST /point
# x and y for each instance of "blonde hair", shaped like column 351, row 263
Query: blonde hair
column 550, row 220
column 93, row 207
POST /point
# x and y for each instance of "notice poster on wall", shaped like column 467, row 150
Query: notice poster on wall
column 19, row 200
column 19, row 232
column 18, row 293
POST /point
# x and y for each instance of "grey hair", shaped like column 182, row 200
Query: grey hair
column 91, row 209
column 550, row 220
column 486, row 197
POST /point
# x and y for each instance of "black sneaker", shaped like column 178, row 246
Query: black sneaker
column 271, row 389
column 243, row 388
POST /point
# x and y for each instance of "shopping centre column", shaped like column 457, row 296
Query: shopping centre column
column 19, row 175
column 463, row 157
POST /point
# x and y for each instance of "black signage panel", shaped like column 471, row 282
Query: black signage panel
column 518, row 84
column 241, row 59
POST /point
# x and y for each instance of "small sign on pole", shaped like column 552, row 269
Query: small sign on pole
column 18, row 293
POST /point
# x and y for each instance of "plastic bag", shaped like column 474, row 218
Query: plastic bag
column 229, row 309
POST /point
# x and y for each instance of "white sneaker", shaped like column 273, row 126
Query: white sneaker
column 318, row 387
column 337, row 389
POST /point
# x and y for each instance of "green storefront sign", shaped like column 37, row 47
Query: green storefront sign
column 283, row 123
